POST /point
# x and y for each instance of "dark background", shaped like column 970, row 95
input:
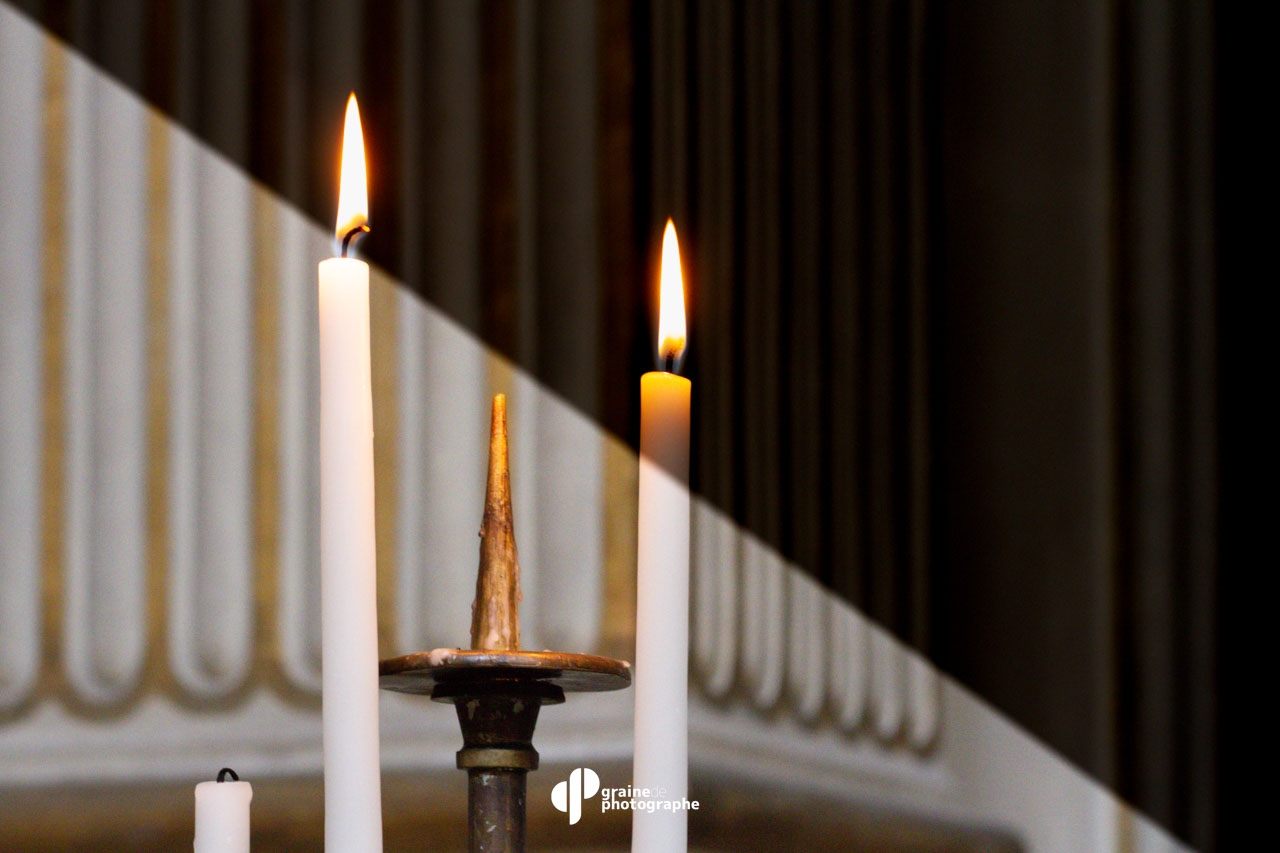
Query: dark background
column 959, row 314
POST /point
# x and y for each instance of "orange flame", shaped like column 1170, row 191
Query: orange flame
column 353, row 185
column 671, row 323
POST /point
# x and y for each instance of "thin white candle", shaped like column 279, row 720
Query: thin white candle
column 661, row 764
column 348, row 563
column 222, row 817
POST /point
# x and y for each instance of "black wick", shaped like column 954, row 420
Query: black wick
column 227, row 771
column 354, row 233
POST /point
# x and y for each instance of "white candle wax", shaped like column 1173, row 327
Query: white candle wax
column 348, row 580
column 662, row 614
column 661, row 764
column 222, row 817
column 348, row 561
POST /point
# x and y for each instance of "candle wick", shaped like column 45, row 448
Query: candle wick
column 669, row 362
column 351, row 236
column 225, row 772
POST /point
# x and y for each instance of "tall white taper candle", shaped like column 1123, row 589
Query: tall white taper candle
column 348, row 562
column 661, row 764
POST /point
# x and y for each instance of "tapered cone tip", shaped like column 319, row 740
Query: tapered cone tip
column 495, row 613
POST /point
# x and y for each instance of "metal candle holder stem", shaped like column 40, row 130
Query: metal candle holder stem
column 497, row 689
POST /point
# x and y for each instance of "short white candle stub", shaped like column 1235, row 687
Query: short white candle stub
column 222, row 817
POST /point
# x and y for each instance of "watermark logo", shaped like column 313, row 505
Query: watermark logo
column 583, row 784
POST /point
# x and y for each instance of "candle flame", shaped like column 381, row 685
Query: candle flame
column 353, row 188
column 671, row 325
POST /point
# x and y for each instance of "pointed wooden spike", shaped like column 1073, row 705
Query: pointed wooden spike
column 495, row 613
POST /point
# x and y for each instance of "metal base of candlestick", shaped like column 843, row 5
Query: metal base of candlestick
column 497, row 695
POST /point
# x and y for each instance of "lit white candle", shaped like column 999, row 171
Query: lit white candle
column 348, row 590
column 222, row 816
column 661, row 764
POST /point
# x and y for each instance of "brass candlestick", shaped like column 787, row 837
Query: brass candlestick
column 497, row 689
